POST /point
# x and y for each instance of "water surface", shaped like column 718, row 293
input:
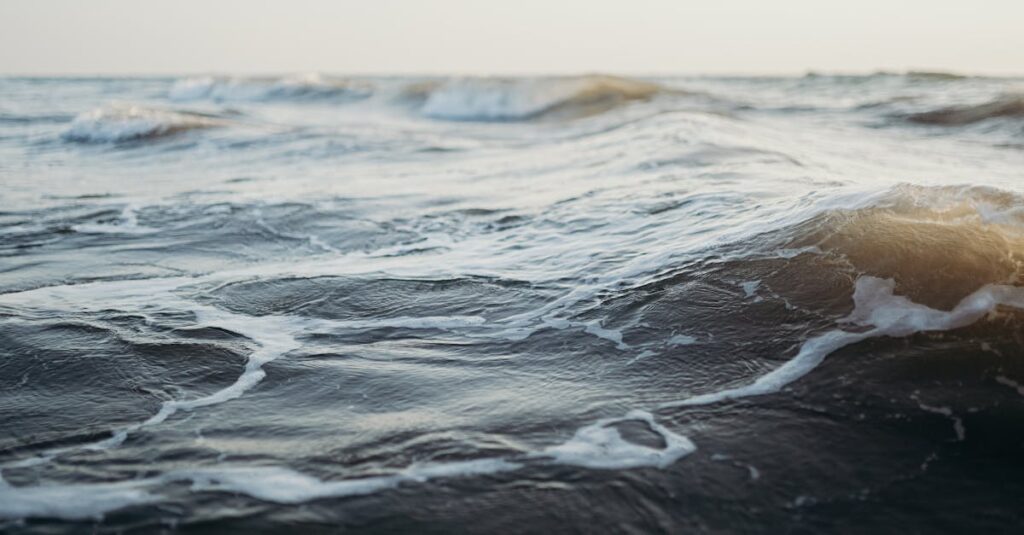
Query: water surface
column 582, row 303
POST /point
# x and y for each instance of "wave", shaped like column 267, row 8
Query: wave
column 1007, row 106
column 117, row 124
column 923, row 76
column 937, row 76
column 916, row 260
column 507, row 99
column 937, row 243
column 310, row 86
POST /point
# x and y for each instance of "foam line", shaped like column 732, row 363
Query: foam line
column 283, row 485
column 267, row 483
column 70, row 502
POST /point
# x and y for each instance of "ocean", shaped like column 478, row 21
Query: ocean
column 696, row 304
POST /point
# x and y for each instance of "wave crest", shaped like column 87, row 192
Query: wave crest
column 938, row 244
column 1004, row 107
column 309, row 86
column 132, row 123
column 505, row 99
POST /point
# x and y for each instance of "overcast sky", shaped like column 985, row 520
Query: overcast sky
column 507, row 37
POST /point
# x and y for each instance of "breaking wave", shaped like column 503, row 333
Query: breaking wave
column 938, row 244
column 918, row 259
column 132, row 123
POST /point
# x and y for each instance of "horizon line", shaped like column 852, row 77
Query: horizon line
column 511, row 74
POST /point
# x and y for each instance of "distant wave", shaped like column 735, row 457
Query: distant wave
column 1005, row 106
column 310, row 86
column 130, row 123
column 505, row 99
column 937, row 76
column 932, row 76
column 460, row 99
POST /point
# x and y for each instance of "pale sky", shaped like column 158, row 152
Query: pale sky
column 509, row 36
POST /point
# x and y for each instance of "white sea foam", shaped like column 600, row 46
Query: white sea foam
column 283, row 485
column 70, row 502
column 591, row 327
column 750, row 287
column 682, row 340
column 406, row 322
column 600, row 445
column 268, row 483
column 1010, row 383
